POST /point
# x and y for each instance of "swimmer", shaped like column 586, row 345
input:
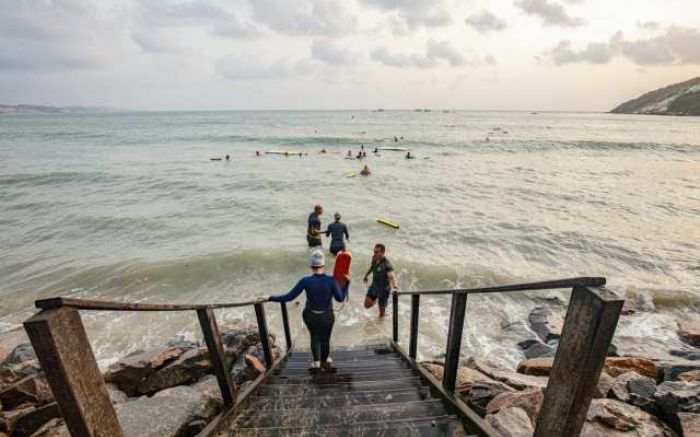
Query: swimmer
column 365, row 171
column 228, row 157
column 323, row 150
column 409, row 156
column 257, row 153
column 396, row 140
column 349, row 153
column 376, row 150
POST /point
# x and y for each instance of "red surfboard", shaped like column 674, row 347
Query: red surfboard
column 342, row 268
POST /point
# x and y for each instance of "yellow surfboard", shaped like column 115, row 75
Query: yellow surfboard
column 352, row 174
column 387, row 222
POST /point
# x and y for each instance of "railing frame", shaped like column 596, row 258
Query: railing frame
column 588, row 330
column 66, row 356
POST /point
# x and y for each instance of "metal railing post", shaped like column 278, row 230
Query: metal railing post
column 264, row 335
column 454, row 340
column 212, row 338
column 285, row 325
column 66, row 357
column 395, row 316
column 589, row 327
column 413, row 340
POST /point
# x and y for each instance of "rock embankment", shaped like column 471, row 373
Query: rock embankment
column 173, row 384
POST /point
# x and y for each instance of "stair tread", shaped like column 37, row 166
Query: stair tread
column 413, row 382
column 343, row 400
column 342, row 377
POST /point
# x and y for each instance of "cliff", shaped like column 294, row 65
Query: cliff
column 678, row 99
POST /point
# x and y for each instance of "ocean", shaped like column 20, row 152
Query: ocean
column 129, row 206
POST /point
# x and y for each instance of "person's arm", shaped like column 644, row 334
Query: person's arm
column 393, row 283
column 368, row 272
column 338, row 294
column 328, row 230
column 293, row 293
column 345, row 230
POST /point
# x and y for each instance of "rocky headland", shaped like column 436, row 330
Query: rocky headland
column 678, row 99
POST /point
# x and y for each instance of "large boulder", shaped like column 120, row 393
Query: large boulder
column 21, row 353
column 611, row 418
column 689, row 331
column 31, row 390
column 185, row 369
column 511, row 422
column 693, row 375
column 53, row 428
column 546, row 323
column 635, row 389
column 34, row 419
column 536, row 366
column 615, row 366
column 674, row 397
column 464, row 374
column 671, row 369
column 518, row 381
column 529, row 400
column 690, row 424
column 130, row 372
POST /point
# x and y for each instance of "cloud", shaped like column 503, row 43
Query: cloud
column 240, row 67
column 328, row 52
column 305, row 17
column 485, row 22
column 677, row 45
column 551, row 14
column 435, row 52
column 594, row 53
column 415, row 13
column 648, row 25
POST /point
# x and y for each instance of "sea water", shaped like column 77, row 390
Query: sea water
column 129, row 206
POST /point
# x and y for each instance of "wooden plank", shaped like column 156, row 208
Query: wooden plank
column 84, row 304
column 454, row 340
column 264, row 333
column 544, row 285
column 66, row 357
column 413, row 339
column 285, row 325
column 473, row 423
column 395, row 316
column 588, row 330
column 212, row 338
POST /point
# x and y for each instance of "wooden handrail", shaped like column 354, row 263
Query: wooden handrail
column 544, row 285
column 85, row 304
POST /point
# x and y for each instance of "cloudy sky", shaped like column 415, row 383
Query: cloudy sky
column 330, row 54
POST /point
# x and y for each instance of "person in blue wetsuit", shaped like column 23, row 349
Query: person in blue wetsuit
column 318, row 314
column 337, row 230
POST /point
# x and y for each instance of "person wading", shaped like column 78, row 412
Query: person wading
column 318, row 313
column 313, row 229
column 383, row 280
column 337, row 230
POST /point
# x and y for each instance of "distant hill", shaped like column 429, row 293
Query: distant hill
column 679, row 99
column 38, row 109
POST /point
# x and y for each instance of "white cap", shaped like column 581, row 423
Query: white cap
column 316, row 259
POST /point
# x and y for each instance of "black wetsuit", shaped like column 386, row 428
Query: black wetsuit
column 337, row 230
column 380, row 288
column 314, row 225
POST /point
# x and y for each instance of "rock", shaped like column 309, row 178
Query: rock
column 546, row 324
column 32, row 390
column 688, row 354
column 185, row 369
column 540, row 350
column 674, row 397
column 619, row 388
column 536, row 366
column 689, row 331
column 478, row 394
column 608, row 417
column 31, row 422
column 464, row 374
column 693, row 375
column 637, row 390
column 182, row 342
column 615, row 366
column 115, row 395
column 130, row 372
column 8, row 419
column 180, row 411
column 605, row 384
column 53, row 428
column 690, row 423
column 529, row 400
column 254, row 364
column 671, row 369
column 511, row 422
column 642, row 347
column 519, row 381
column 21, row 353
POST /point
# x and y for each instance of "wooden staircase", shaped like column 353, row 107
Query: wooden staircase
column 370, row 391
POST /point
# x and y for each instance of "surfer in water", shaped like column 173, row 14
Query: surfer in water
column 337, row 230
column 313, row 229
column 365, row 171
column 409, row 156
column 383, row 280
column 318, row 313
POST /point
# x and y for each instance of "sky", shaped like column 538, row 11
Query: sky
column 566, row 55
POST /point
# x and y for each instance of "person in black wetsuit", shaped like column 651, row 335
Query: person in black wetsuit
column 313, row 229
column 318, row 313
column 337, row 230
column 383, row 280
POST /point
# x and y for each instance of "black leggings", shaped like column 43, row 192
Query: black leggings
column 320, row 326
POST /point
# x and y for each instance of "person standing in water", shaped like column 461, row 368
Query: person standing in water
column 318, row 313
column 383, row 280
column 337, row 230
column 313, row 229
column 365, row 171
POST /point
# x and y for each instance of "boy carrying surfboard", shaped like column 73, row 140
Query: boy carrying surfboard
column 383, row 280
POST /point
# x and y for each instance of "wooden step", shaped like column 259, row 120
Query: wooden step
column 342, row 377
column 322, row 400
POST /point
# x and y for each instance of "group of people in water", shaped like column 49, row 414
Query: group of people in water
column 321, row 289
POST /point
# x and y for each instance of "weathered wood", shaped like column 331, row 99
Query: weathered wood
column 285, row 325
column 264, row 334
column 212, row 338
column 473, row 424
column 413, row 339
column 588, row 330
column 66, row 357
column 544, row 285
column 395, row 316
column 85, row 304
column 454, row 340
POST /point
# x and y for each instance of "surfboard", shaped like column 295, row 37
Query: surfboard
column 214, row 159
column 352, row 174
column 342, row 267
column 395, row 149
column 387, row 222
column 281, row 152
